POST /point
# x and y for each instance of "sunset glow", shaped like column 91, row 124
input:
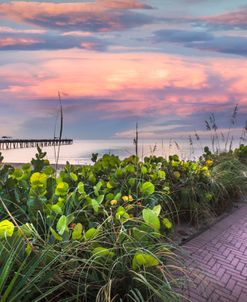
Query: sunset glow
column 117, row 62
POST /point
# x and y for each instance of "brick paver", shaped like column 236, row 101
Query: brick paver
column 218, row 261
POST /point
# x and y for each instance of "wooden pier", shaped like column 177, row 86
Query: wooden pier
column 6, row 144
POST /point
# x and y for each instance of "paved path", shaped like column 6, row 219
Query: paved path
column 219, row 261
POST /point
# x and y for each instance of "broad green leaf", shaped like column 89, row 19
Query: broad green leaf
column 100, row 198
column 62, row 189
column 6, row 228
column 92, row 178
column 175, row 163
column 95, row 205
column 117, row 196
column 97, row 188
column 102, row 252
column 38, row 178
column 92, row 233
column 77, row 232
column 167, row 223
column 59, row 179
column 70, row 218
column 161, row 174
column 17, row 174
column 62, row 225
column 147, row 188
column 27, row 167
column 144, row 170
column 55, row 234
column 56, row 208
column 118, row 172
column 109, row 196
column 73, row 176
column 48, row 170
column 151, row 219
column 121, row 214
column 38, row 191
column 157, row 209
column 81, row 188
column 144, row 259
column 132, row 182
column 109, row 185
column 193, row 166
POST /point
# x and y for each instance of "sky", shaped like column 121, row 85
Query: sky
column 166, row 64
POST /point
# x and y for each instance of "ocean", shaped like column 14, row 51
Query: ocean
column 81, row 150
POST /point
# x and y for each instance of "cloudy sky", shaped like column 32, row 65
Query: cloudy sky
column 164, row 63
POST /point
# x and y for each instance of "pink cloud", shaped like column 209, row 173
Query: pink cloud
column 123, row 4
column 10, row 30
column 130, row 84
column 9, row 41
column 236, row 19
column 102, row 15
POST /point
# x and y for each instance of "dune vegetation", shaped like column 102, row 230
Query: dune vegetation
column 102, row 232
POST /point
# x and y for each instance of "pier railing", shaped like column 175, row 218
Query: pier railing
column 6, row 144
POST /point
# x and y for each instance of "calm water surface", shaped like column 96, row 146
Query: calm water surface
column 80, row 151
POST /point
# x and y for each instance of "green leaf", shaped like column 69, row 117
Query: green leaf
column 151, row 219
column 167, row 223
column 62, row 189
column 109, row 185
column 117, row 196
column 92, row 233
column 73, row 176
column 55, row 234
column 81, row 188
column 27, row 167
column 17, row 174
column 147, row 188
column 38, row 179
column 70, row 218
column 131, row 182
column 56, row 208
column 77, row 232
column 95, row 205
column 121, row 214
column 118, row 172
column 91, row 178
column 144, row 170
column 102, row 252
column 100, row 198
column 59, row 179
column 144, row 259
column 28, row 249
column 6, row 228
column 161, row 174
column 62, row 225
column 48, row 170
column 97, row 188
column 157, row 209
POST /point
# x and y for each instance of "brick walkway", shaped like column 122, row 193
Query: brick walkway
column 218, row 261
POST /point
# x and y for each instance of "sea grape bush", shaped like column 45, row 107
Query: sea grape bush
column 108, row 222
column 182, row 189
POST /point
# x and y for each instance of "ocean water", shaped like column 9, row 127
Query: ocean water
column 81, row 150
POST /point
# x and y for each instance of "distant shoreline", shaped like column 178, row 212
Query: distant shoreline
column 19, row 165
